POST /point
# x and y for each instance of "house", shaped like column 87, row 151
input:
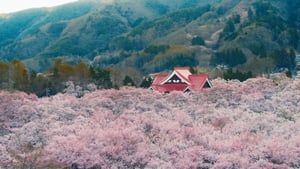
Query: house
column 181, row 79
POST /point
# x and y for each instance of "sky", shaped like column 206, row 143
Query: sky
column 8, row 6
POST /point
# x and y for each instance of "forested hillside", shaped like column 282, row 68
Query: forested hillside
column 152, row 36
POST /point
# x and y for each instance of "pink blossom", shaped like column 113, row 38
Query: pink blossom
column 251, row 124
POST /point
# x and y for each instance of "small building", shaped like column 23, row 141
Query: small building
column 181, row 79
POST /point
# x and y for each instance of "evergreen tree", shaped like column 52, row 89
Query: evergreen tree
column 230, row 57
column 101, row 77
column 147, row 81
column 192, row 70
column 262, row 52
column 229, row 27
column 128, row 81
column 229, row 75
column 236, row 18
column 198, row 41
column 284, row 58
column 19, row 75
column 294, row 38
column 250, row 14
column 4, row 74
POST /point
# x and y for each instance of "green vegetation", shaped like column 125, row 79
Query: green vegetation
column 229, row 75
column 69, row 45
column 198, row 41
column 144, row 34
column 107, row 25
column 101, row 77
column 293, row 11
column 180, row 60
column 147, row 81
column 14, row 76
column 193, row 70
column 127, row 81
column 69, row 11
column 18, row 22
column 127, row 44
column 236, row 18
column 229, row 31
column 284, row 58
column 112, row 60
column 229, row 27
column 230, row 57
column 266, row 15
column 250, row 14
column 154, row 50
column 57, row 28
column 156, row 6
column 294, row 37
column 166, row 23
column 176, row 56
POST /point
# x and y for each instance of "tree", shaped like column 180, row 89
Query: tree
column 60, row 72
column 229, row 27
column 101, row 77
column 230, row 75
column 250, row 14
column 284, row 58
column 139, row 128
column 41, row 84
column 19, row 75
column 198, row 41
column 230, row 57
column 294, row 38
column 262, row 52
column 146, row 82
column 4, row 74
column 192, row 70
column 236, row 18
column 82, row 74
column 127, row 81
column 155, row 49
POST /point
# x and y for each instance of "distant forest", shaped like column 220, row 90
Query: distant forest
column 15, row 76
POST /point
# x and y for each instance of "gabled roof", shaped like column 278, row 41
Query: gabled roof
column 158, row 78
column 183, row 72
column 193, row 82
column 198, row 81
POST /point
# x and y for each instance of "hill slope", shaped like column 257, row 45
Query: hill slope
column 118, row 32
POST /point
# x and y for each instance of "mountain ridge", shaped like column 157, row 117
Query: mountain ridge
column 116, row 33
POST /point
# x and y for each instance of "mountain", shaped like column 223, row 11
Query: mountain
column 156, row 35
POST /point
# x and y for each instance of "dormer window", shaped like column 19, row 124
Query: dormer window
column 175, row 80
column 181, row 80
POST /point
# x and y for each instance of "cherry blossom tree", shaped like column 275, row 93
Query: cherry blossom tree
column 250, row 124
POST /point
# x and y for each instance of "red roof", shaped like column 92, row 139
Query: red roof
column 188, row 81
column 198, row 81
column 184, row 72
column 159, row 78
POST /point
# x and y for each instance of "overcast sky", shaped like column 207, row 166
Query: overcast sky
column 8, row 6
